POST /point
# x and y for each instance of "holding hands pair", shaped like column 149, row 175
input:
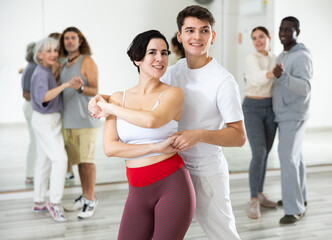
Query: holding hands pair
column 177, row 142
column 75, row 83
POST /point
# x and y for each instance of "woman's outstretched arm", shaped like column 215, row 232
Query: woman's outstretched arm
column 170, row 107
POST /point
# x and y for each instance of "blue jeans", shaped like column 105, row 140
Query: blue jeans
column 261, row 130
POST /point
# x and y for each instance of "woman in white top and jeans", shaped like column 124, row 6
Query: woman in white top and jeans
column 259, row 116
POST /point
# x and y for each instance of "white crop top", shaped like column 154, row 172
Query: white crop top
column 132, row 134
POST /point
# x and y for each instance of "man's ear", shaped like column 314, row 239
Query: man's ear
column 298, row 32
column 213, row 37
column 179, row 37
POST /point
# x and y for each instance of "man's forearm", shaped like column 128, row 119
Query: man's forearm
column 298, row 85
column 90, row 91
column 226, row 137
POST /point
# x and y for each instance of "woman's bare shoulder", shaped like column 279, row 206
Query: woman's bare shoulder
column 170, row 91
column 116, row 98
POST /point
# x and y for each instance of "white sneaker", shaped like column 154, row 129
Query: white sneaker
column 76, row 205
column 70, row 175
column 88, row 209
column 70, row 179
column 56, row 212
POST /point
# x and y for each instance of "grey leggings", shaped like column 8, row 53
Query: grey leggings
column 162, row 210
column 261, row 130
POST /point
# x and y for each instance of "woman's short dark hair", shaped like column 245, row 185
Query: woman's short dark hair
column 137, row 48
column 196, row 11
column 177, row 44
column 261, row 28
column 84, row 47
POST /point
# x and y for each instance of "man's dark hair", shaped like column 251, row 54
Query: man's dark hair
column 294, row 20
column 137, row 48
column 196, row 11
column 84, row 47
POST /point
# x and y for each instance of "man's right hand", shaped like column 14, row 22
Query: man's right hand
column 166, row 145
column 278, row 70
column 76, row 82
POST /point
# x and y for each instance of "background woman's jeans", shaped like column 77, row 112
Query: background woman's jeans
column 261, row 130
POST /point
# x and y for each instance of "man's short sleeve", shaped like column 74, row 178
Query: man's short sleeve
column 229, row 101
column 166, row 78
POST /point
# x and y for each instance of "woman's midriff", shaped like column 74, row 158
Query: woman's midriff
column 142, row 162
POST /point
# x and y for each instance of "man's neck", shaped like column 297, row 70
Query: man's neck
column 195, row 62
column 72, row 57
column 287, row 48
column 73, row 54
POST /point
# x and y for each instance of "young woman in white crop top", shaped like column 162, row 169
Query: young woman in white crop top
column 259, row 116
column 139, row 124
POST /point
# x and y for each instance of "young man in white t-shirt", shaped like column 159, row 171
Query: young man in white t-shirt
column 212, row 99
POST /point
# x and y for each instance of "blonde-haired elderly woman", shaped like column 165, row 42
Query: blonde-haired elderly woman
column 46, row 100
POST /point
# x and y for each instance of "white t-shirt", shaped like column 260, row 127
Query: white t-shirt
column 211, row 99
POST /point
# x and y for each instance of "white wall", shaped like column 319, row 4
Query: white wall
column 108, row 27
column 229, row 35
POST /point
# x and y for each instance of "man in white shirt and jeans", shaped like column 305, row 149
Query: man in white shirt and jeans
column 212, row 99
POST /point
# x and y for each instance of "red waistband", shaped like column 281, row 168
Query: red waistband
column 143, row 176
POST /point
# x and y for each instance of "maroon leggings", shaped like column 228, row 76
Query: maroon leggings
column 162, row 210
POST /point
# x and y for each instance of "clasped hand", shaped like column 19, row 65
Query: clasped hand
column 99, row 107
column 278, row 70
column 75, row 83
column 179, row 141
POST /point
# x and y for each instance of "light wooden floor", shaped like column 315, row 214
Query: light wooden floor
column 17, row 220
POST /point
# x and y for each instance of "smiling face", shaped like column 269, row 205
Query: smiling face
column 196, row 36
column 48, row 56
column 288, row 34
column 155, row 61
column 71, row 41
column 261, row 41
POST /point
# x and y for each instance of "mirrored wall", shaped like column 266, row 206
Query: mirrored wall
column 109, row 27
